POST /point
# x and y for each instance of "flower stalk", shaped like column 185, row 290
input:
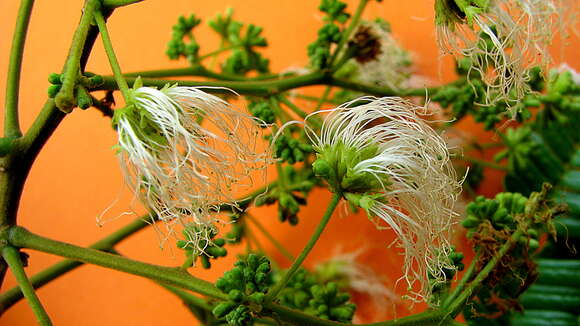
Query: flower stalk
column 11, row 121
column 65, row 98
column 108, row 45
column 271, row 295
column 12, row 256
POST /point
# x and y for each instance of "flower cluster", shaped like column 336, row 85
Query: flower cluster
column 178, row 167
column 503, row 38
column 391, row 66
column 385, row 159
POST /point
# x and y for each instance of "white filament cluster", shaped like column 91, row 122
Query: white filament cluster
column 187, row 169
column 418, row 201
column 391, row 68
column 520, row 32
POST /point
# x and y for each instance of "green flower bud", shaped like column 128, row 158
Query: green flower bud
column 84, row 99
column 223, row 309
column 470, row 222
column 321, row 168
column 533, row 244
column 236, row 295
column 54, row 79
column 53, row 90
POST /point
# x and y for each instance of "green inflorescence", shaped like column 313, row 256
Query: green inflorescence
column 83, row 85
column 177, row 46
column 500, row 212
column 304, row 292
column 290, row 196
column 262, row 111
column 246, row 286
column 330, row 33
column 291, row 150
column 493, row 222
column 241, row 41
column 334, row 10
column 207, row 247
column 244, row 58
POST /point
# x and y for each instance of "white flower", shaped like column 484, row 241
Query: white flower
column 518, row 34
column 178, row 167
column 391, row 67
column 384, row 158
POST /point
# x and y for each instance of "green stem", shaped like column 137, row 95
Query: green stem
column 271, row 87
column 218, row 51
column 118, row 3
column 108, row 44
column 65, row 98
column 484, row 163
column 11, row 123
column 273, row 240
column 20, row 237
column 382, row 91
column 197, row 70
column 178, row 277
column 12, row 257
column 292, row 106
column 16, row 165
column 10, row 297
column 457, row 304
column 259, row 87
column 313, row 239
column 354, row 21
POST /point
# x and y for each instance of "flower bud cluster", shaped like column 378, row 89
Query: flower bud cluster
column 246, row 286
column 84, row 83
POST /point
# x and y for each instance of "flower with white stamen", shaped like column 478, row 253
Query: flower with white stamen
column 181, row 169
column 392, row 65
column 503, row 38
column 384, row 158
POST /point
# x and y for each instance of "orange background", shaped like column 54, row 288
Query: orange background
column 77, row 176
